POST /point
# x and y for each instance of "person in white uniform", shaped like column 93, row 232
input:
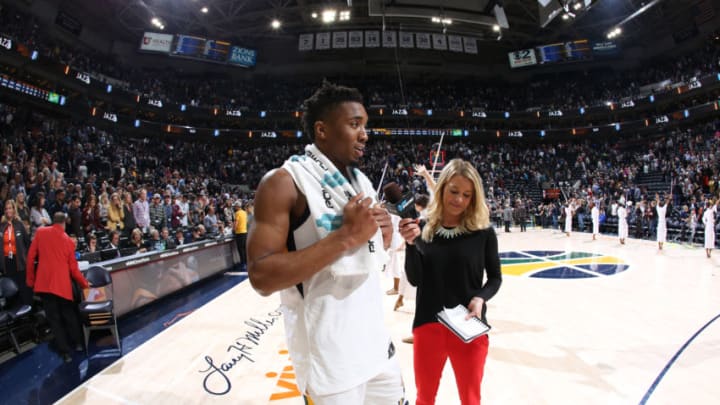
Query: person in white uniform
column 661, row 206
column 709, row 222
column 569, row 210
column 622, row 220
column 321, row 249
column 595, row 215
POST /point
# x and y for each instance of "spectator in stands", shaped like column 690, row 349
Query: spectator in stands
column 91, row 216
column 15, row 240
column 168, row 208
column 195, row 234
column 240, row 229
column 52, row 281
column 38, row 214
column 128, row 215
column 91, row 243
column 155, row 243
column 116, row 214
column 357, row 358
column 250, row 210
column 23, row 211
column 458, row 236
column 114, row 242
column 58, row 204
column 228, row 213
column 103, row 206
column 184, row 210
column 210, row 221
column 167, row 240
column 141, row 211
column 157, row 212
column 179, row 237
column 75, row 216
column 136, row 241
column 224, row 231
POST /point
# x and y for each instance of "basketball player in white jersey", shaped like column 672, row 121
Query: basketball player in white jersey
column 336, row 334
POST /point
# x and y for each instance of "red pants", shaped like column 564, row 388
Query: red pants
column 433, row 344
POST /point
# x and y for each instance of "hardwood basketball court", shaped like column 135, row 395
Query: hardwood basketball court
column 576, row 321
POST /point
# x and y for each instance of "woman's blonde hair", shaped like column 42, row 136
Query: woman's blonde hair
column 136, row 232
column 477, row 214
column 14, row 207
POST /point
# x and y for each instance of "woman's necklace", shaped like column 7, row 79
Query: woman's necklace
column 449, row 233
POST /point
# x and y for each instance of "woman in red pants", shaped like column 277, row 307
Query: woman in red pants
column 447, row 260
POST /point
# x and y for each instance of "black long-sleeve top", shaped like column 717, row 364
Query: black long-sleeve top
column 448, row 272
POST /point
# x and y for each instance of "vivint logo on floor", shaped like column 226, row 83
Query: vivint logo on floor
column 560, row 264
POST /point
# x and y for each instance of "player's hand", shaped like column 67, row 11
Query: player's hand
column 359, row 220
column 382, row 217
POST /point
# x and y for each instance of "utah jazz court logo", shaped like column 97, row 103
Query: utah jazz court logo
column 560, row 264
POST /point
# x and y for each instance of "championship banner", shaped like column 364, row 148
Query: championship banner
column 372, row 39
column 423, row 40
column 439, row 42
column 306, row 42
column 406, row 40
column 455, row 43
column 470, row 45
column 355, row 39
column 389, row 39
column 322, row 40
column 339, row 40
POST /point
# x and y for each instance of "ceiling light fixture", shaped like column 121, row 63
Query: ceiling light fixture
column 329, row 16
column 275, row 24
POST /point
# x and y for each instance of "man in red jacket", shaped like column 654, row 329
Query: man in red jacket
column 51, row 280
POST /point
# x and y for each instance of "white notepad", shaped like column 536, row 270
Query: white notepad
column 466, row 329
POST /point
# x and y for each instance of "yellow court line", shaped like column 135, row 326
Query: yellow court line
column 522, row 268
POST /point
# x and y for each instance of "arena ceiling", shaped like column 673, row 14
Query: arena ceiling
column 249, row 21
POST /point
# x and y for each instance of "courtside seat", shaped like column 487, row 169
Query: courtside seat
column 13, row 315
column 96, row 309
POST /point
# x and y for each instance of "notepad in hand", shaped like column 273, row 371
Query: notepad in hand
column 466, row 329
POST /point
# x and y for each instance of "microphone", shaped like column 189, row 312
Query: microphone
column 402, row 205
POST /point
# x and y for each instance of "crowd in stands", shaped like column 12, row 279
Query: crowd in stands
column 554, row 91
column 104, row 181
column 98, row 177
column 120, row 192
